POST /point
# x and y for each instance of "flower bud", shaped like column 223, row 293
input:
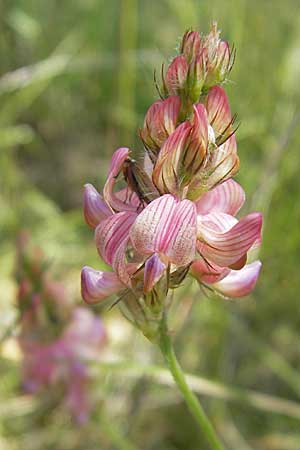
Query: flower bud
column 221, row 164
column 195, row 79
column 176, row 76
column 160, row 121
column 191, row 45
column 218, row 57
column 182, row 155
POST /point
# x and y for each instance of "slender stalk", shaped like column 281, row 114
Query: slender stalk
column 166, row 347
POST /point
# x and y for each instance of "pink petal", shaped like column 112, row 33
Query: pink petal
column 224, row 58
column 218, row 109
column 97, row 285
column 168, row 114
column 207, row 272
column 94, row 207
column 180, row 243
column 224, row 162
column 191, row 45
column 227, row 197
column 239, row 282
column 166, row 170
column 168, row 227
column 176, row 75
column 120, row 265
column 154, row 269
column 128, row 197
column 196, row 149
column 117, row 161
column 226, row 248
column 112, row 233
column 160, row 121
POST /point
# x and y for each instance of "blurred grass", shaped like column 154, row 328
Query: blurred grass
column 76, row 78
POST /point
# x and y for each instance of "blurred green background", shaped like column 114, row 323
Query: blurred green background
column 76, row 78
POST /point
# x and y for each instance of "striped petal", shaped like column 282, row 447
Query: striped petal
column 94, row 207
column 97, row 285
column 239, row 283
column 154, row 269
column 218, row 110
column 227, row 197
column 110, row 197
column 224, row 162
column 176, row 75
column 168, row 227
column 207, row 272
column 112, row 233
column 160, row 122
column 166, row 173
column 195, row 151
column 227, row 248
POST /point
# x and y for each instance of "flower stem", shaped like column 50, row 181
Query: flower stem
column 166, row 347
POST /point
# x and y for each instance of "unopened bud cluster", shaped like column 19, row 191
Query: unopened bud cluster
column 176, row 214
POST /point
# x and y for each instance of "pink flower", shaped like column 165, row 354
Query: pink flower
column 63, row 361
column 169, row 233
column 177, row 213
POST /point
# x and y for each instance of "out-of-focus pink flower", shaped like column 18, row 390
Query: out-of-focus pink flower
column 57, row 342
column 64, row 361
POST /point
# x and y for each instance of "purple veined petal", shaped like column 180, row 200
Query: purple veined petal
column 227, row 198
column 111, row 233
column 224, row 162
column 166, row 226
column 191, row 45
column 120, row 265
column 167, row 117
column 154, row 269
column 166, row 175
column 150, row 225
column 226, row 248
column 97, row 285
column 128, row 197
column 208, row 272
column 160, row 121
column 216, row 221
column 195, row 150
column 179, row 243
column 224, row 57
column 239, row 283
column 218, row 109
column 117, row 161
column 176, row 74
column 94, row 207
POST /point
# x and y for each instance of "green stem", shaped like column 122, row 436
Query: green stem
column 166, row 347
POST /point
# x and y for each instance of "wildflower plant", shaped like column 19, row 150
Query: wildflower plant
column 57, row 341
column 175, row 217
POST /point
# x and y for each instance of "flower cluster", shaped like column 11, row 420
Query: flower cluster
column 56, row 340
column 176, row 214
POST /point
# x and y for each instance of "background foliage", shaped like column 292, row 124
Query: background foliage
column 76, row 78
